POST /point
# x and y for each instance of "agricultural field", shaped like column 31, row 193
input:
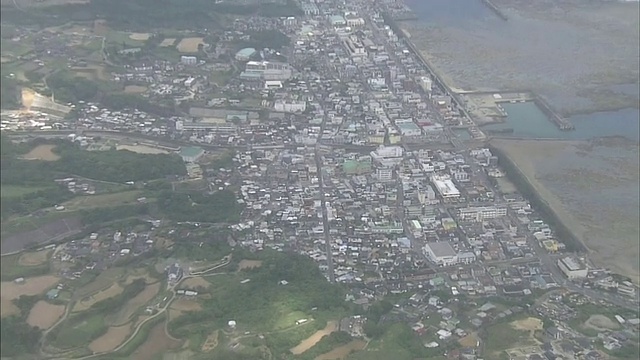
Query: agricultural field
column 124, row 314
column 13, row 191
column 43, row 315
column 110, row 340
column 142, row 149
column 309, row 342
column 249, row 264
column 42, row 152
column 511, row 336
column 341, row 352
column 12, row 268
column 195, row 282
column 168, row 42
column 122, row 37
column 86, row 302
column 190, row 44
column 10, row 290
column 104, row 200
column 139, row 36
column 157, row 342
column 34, row 258
column 103, row 281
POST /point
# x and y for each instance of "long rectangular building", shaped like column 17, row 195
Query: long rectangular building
column 481, row 213
column 445, row 187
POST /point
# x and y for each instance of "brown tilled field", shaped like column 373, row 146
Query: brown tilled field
column 211, row 342
column 157, row 343
column 190, row 45
column 9, row 290
column 111, row 339
column 43, row 315
column 139, row 36
column 184, row 305
column 125, row 313
column 313, row 339
column 8, row 308
column 249, row 264
column 42, row 152
column 85, row 303
column 194, row 282
column 167, row 42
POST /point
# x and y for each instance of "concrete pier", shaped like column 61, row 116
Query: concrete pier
column 562, row 123
column 495, row 9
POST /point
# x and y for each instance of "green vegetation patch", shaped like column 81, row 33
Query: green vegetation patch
column 503, row 336
column 397, row 342
column 221, row 206
column 13, row 191
column 10, row 268
column 78, row 331
column 306, row 288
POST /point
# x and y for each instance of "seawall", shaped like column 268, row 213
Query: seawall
column 528, row 190
column 562, row 123
column 388, row 19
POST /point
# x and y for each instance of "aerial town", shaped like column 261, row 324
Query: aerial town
column 342, row 146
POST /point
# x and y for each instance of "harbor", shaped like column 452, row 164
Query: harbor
column 561, row 122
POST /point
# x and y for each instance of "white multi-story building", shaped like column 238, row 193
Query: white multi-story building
column 388, row 156
column 572, row 268
column 444, row 186
column 384, row 174
column 481, row 213
column 441, row 253
column 267, row 70
column 290, row 106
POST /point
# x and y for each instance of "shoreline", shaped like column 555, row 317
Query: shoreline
column 523, row 156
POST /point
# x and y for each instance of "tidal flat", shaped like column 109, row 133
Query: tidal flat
column 593, row 188
column 580, row 56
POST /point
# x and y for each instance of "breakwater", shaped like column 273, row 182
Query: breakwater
column 529, row 191
column 562, row 123
column 495, row 9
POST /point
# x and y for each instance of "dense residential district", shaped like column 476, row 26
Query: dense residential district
column 344, row 147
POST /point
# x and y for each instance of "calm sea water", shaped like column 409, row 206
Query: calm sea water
column 451, row 12
column 528, row 121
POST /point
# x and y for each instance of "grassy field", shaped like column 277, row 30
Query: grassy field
column 503, row 336
column 14, row 48
column 10, row 268
column 120, row 37
column 13, row 191
column 103, row 200
column 26, row 223
column 75, row 333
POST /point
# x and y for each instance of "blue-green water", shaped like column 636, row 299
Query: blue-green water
column 528, row 121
